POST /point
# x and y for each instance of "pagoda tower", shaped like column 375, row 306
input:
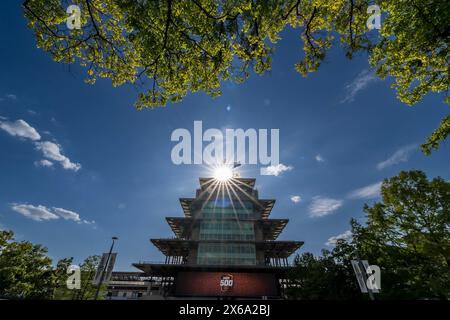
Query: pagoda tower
column 224, row 246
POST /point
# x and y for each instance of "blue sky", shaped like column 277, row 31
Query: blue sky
column 107, row 168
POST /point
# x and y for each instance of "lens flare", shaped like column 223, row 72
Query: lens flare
column 223, row 173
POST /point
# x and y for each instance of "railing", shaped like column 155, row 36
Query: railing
column 159, row 262
column 217, row 265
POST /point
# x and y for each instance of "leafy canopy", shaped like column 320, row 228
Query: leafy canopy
column 25, row 269
column 26, row 272
column 167, row 48
column 407, row 235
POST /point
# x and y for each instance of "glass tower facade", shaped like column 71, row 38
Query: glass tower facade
column 226, row 219
column 226, row 254
column 225, row 233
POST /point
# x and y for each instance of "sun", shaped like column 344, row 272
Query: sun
column 223, row 173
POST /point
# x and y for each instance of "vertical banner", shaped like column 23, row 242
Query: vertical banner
column 102, row 266
column 109, row 269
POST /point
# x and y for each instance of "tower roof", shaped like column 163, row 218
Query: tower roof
column 265, row 204
column 186, row 205
column 250, row 182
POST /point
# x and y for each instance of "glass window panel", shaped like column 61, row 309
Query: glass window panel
column 227, row 230
column 226, row 253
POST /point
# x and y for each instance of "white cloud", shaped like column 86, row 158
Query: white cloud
column 42, row 213
column 43, row 163
column 319, row 158
column 362, row 80
column 401, row 155
column 52, row 151
column 20, row 128
column 37, row 213
column 322, row 206
column 296, row 199
column 347, row 236
column 367, row 192
column 67, row 214
column 275, row 170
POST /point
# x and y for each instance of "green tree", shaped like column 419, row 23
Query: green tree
column 88, row 269
column 407, row 235
column 60, row 290
column 25, row 269
column 326, row 277
column 26, row 272
column 439, row 135
column 87, row 272
column 172, row 47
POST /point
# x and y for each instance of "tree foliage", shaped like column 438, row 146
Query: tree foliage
column 87, row 289
column 25, row 270
column 172, row 46
column 438, row 135
column 168, row 48
column 407, row 235
column 88, row 269
column 326, row 277
column 60, row 290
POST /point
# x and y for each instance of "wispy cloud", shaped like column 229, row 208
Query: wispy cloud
column 275, row 170
column 67, row 214
column 8, row 96
column 319, row 158
column 362, row 80
column 43, row 163
column 401, row 155
column 43, row 213
column 347, row 236
column 321, row 206
column 50, row 150
column 367, row 192
column 21, row 129
column 37, row 213
column 296, row 199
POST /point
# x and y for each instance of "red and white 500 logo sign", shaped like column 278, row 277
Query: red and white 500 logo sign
column 226, row 282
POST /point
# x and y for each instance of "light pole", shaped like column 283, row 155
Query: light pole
column 102, row 276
